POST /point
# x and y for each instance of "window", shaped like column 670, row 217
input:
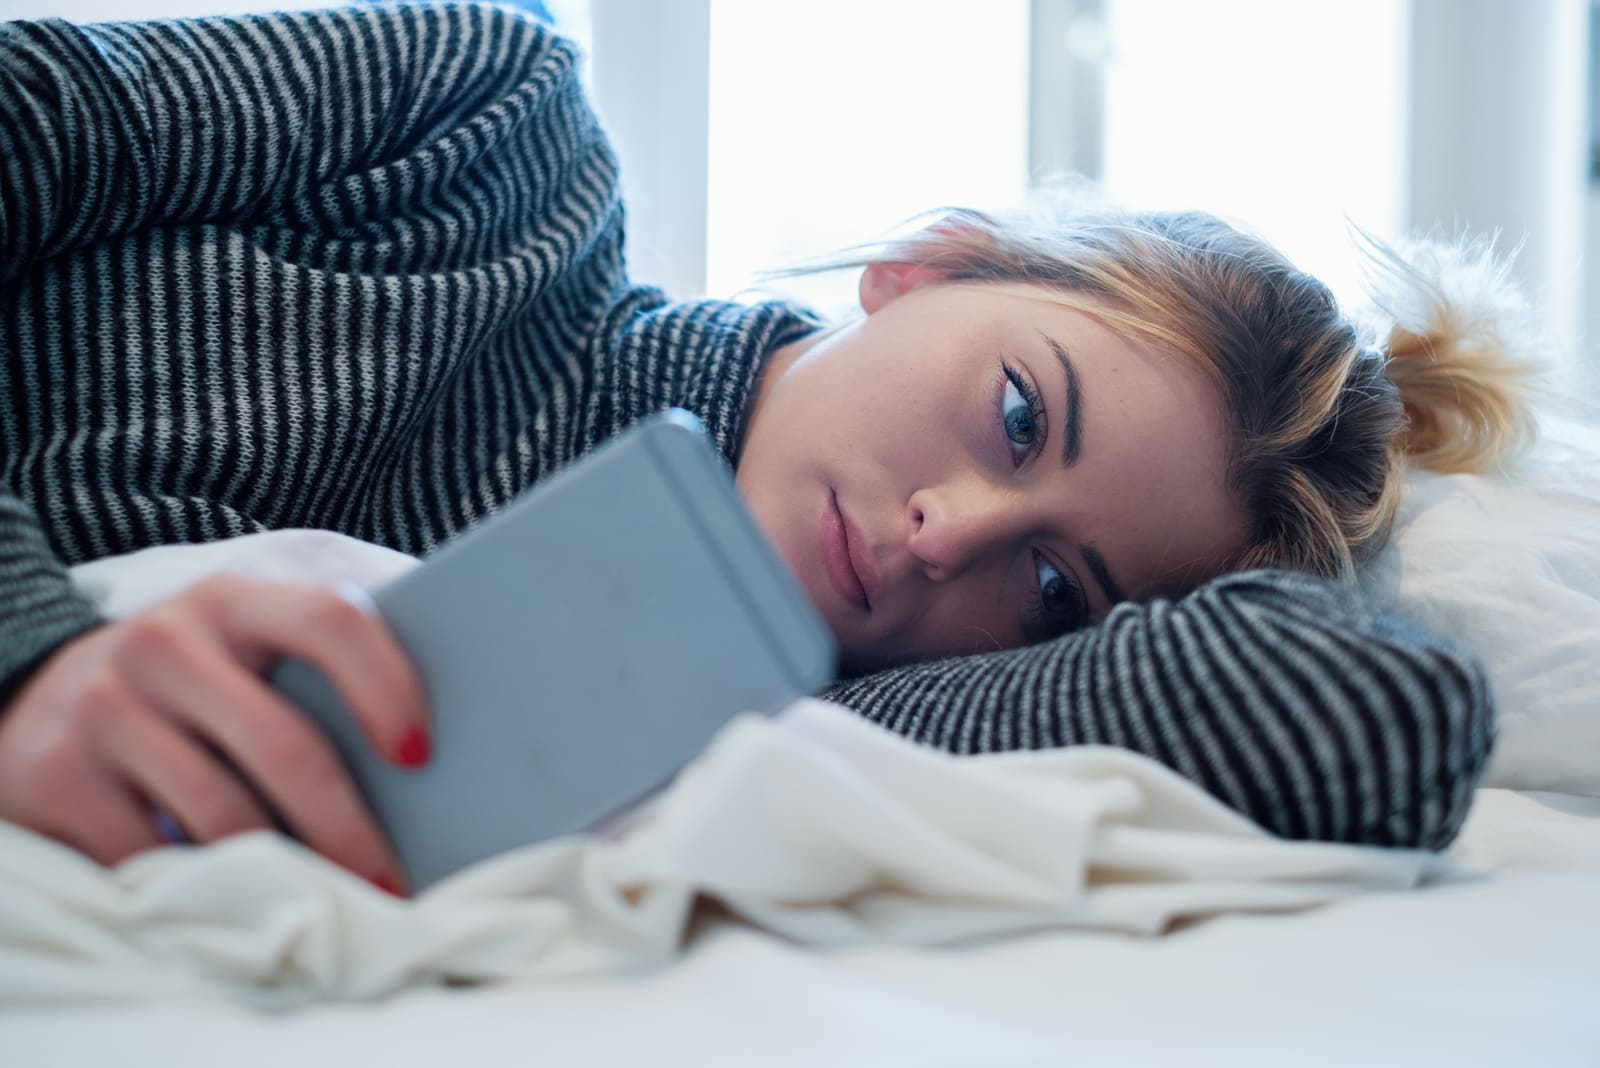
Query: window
column 829, row 123
column 755, row 136
column 833, row 121
column 1284, row 118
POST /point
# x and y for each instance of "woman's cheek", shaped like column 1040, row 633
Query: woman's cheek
column 978, row 427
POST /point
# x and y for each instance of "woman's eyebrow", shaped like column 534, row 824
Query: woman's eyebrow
column 1072, row 439
column 1071, row 448
column 1097, row 568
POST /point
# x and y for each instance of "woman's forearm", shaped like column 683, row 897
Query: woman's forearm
column 1288, row 697
column 39, row 607
column 110, row 129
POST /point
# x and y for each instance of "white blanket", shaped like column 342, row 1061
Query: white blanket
column 815, row 825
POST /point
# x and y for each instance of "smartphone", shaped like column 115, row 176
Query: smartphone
column 578, row 647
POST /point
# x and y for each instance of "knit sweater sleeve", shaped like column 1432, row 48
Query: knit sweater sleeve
column 112, row 128
column 1288, row 697
column 76, row 165
column 284, row 122
column 39, row 607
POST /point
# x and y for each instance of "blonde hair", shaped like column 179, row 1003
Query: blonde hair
column 1324, row 420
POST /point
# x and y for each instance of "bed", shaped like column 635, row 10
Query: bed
column 1498, row 972
column 1494, row 971
column 1485, row 955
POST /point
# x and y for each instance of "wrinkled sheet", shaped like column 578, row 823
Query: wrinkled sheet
column 816, row 826
column 1494, row 966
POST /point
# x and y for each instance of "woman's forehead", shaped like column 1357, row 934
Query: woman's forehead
column 1091, row 330
column 1041, row 306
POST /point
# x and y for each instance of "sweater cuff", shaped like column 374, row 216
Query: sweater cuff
column 39, row 606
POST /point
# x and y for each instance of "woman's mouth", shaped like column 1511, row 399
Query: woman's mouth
column 843, row 560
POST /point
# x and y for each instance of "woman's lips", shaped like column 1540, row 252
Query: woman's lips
column 833, row 537
column 860, row 556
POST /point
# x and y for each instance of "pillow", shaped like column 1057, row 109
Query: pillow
column 1509, row 564
column 122, row 585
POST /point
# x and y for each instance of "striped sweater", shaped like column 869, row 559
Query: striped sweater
column 362, row 270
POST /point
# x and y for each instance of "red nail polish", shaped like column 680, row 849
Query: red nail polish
column 386, row 884
column 414, row 749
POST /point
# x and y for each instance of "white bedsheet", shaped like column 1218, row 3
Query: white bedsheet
column 1501, row 969
column 817, row 826
column 822, row 828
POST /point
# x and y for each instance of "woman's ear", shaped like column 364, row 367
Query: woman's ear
column 883, row 282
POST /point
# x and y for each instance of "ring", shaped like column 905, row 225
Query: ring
column 169, row 830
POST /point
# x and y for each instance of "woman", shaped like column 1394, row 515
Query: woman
column 362, row 270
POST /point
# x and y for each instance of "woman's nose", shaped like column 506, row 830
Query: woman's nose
column 952, row 528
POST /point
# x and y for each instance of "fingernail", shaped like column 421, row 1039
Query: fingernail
column 385, row 883
column 414, row 749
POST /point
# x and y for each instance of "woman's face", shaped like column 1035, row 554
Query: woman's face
column 974, row 467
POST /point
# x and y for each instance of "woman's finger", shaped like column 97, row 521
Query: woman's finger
column 179, row 775
column 291, row 762
column 53, row 777
column 343, row 638
column 108, row 823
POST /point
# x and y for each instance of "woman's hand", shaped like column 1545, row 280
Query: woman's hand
column 168, row 711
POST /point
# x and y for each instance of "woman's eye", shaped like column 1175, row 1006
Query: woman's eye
column 1021, row 417
column 1059, row 604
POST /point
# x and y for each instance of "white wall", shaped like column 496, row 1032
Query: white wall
column 650, row 71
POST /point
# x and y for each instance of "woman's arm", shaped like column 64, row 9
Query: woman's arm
column 109, row 129
column 1286, row 696
column 305, row 132
column 290, row 122
column 39, row 608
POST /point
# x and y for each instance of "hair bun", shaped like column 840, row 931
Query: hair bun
column 1462, row 351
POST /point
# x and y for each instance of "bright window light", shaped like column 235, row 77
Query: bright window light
column 834, row 121
column 1281, row 117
